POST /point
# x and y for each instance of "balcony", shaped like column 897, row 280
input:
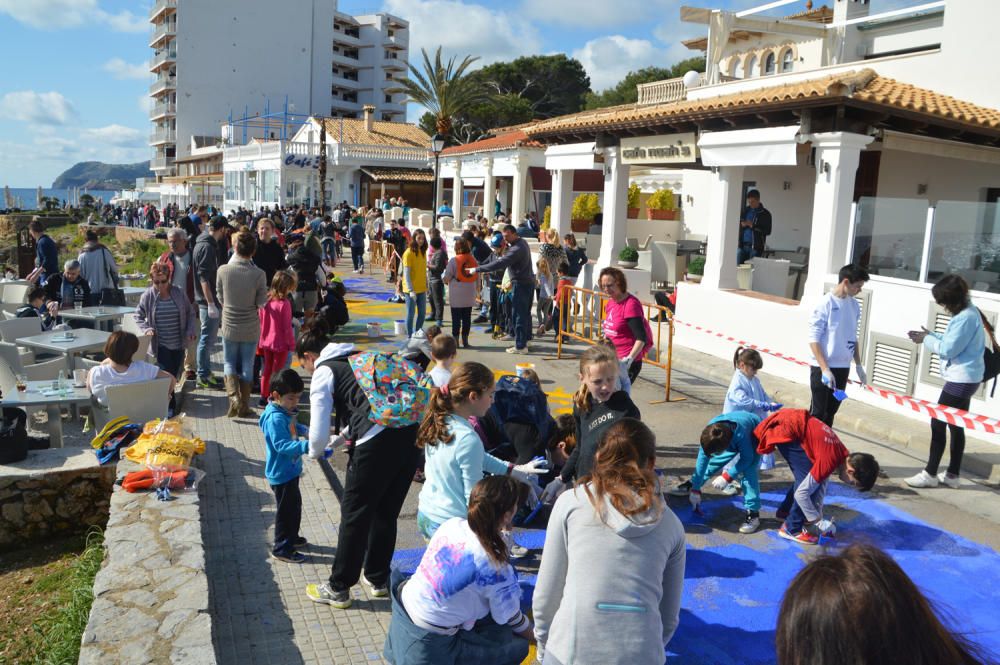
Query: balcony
column 166, row 57
column 663, row 92
column 370, row 154
column 340, row 37
column 395, row 43
column 163, row 135
column 161, row 8
column 345, row 105
column 395, row 63
column 162, row 110
column 161, row 163
column 161, row 32
column 163, row 85
column 345, row 83
column 339, row 58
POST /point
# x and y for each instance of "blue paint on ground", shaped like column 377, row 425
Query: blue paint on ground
column 366, row 287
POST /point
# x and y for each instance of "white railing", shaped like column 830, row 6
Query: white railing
column 162, row 57
column 162, row 30
column 662, row 92
column 344, row 82
column 161, row 6
column 163, row 136
column 341, row 37
column 166, row 108
column 160, row 162
column 336, row 153
column 374, row 153
column 160, row 85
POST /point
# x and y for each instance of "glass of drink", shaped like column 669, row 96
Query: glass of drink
column 22, row 384
column 78, row 305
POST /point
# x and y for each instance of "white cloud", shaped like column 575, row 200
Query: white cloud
column 144, row 103
column 465, row 29
column 125, row 70
column 608, row 59
column 113, row 135
column 43, row 108
column 593, row 13
column 57, row 14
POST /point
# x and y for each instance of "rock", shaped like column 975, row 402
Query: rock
column 137, row 651
column 174, row 623
column 191, row 596
column 139, row 598
column 13, row 512
column 186, row 532
column 128, row 553
column 197, row 632
column 200, row 655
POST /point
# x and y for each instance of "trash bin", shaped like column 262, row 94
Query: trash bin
column 744, row 276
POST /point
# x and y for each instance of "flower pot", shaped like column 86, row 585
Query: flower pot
column 580, row 225
column 627, row 264
column 694, row 278
column 652, row 214
column 633, row 213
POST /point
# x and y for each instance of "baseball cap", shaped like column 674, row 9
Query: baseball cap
column 496, row 240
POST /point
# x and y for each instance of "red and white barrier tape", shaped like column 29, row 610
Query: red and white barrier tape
column 948, row 414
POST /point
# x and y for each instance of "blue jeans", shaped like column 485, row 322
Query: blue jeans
column 415, row 309
column 206, row 339
column 800, row 465
column 523, row 294
column 358, row 256
column 238, row 359
column 744, row 254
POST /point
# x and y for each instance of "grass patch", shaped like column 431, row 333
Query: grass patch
column 47, row 592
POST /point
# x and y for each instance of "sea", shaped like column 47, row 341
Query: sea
column 29, row 195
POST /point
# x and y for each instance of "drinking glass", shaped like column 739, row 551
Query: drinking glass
column 22, row 384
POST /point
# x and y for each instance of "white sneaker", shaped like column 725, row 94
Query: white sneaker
column 922, row 479
column 951, row 481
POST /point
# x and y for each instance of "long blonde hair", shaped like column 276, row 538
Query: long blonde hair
column 282, row 284
column 468, row 378
column 543, row 268
column 622, row 472
column 595, row 355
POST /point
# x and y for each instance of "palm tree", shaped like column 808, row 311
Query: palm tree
column 446, row 90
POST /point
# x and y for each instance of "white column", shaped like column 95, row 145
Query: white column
column 724, row 218
column 837, row 158
column 519, row 199
column 489, row 190
column 615, row 208
column 456, row 193
column 562, row 200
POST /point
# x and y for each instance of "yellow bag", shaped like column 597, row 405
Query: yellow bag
column 165, row 444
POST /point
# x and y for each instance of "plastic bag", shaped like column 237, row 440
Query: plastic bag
column 165, row 445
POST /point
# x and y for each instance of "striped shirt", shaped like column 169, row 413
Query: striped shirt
column 168, row 323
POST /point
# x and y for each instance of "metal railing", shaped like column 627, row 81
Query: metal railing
column 163, row 136
column 581, row 318
column 162, row 30
column 161, row 162
column 163, row 108
column 161, row 58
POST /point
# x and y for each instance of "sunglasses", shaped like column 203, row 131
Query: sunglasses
column 159, row 282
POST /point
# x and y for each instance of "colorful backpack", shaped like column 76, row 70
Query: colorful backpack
column 398, row 391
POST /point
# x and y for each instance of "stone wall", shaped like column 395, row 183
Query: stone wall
column 53, row 492
column 151, row 594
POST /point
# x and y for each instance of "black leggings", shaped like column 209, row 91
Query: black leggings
column 938, row 437
column 461, row 322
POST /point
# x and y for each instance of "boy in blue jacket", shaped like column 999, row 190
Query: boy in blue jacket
column 283, row 463
column 724, row 438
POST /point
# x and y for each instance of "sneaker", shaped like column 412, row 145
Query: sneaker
column 506, row 338
column 514, row 349
column 190, row 375
column 322, row 593
column 683, row 489
column 210, row 382
column 731, row 489
column 291, row 557
column 300, row 542
column 262, row 402
column 480, row 319
column 802, row 537
column 375, row 590
column 922, row 479
column 951, row 481
column 751, row 523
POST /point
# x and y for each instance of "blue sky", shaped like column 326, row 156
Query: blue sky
column 73, row 80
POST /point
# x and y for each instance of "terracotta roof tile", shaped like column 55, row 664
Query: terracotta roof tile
column 506, row 141
column 382, row 132
column 382, row 174
column 864, row 85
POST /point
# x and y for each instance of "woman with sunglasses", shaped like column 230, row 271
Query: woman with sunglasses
column 166, row 314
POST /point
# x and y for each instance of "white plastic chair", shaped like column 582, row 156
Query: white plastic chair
column 139, row 402
column 16, row 293
column 11, row 365
column 13, row 329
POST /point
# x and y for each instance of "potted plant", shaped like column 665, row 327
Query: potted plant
column 585, row 206
column 696, row 268
column 661, row 205
column 628, row 257
column 547, row 218
column 633, row 201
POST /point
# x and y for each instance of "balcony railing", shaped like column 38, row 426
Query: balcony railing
column 344, row 38
column 162, row 30
column 159, row 163
column 162, row 6
column 662, row 92
column 394, row 42
column 163, row 136
column 162, row 58
column 162, row 85
column 337, row 153
column 383, row 153
column 163, row 109
column 344, row 82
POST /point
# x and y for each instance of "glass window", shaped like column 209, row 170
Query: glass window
column 787, row 60
column 751, row 66
column 889, row 236
column 966, row 241
column 232, row 185
column 769, row 64
column 737, row 68
column 269, row 186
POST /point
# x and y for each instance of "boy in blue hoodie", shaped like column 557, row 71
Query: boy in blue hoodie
column 283, row 463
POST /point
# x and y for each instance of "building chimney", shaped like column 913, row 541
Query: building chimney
column 369, row 110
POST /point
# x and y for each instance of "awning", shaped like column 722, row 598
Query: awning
column 473, row 182
column 382, row 174
column 768, row 146
column 583, row 181
column 577, row 156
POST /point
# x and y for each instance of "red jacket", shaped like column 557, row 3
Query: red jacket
column 821, row 445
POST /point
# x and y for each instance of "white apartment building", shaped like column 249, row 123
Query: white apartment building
column 217, row 59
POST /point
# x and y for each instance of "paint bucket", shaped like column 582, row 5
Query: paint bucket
column 374, row 329
column 400, row 327
column 767, row 462
column 520, row 368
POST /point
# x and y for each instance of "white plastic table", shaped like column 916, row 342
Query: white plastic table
column 83, row 340
column 34, row 396
column 132, row 294
column 97, row 314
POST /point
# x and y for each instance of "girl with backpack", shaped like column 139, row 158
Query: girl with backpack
column 625, row 325
column 453, row 452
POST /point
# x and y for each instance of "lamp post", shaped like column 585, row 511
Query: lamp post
column 437, row 145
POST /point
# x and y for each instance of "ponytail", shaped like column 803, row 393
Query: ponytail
column 749, row 357
column 314, row 337
column 621, row 470
column 468, row 378
column 492, row 498
column 594, row 355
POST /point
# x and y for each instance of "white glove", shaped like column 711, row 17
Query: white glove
column 695, row 498
column 337, row 440
column 537, row 466
column 830, row 380
column 862, row 375
column 719, row 482
column 213, row 311
column 826, row 527
column 553, row 490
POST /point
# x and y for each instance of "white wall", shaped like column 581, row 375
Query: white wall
column 950, row 179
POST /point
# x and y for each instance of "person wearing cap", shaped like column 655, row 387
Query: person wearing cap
column 205, row 257
column 518, row 259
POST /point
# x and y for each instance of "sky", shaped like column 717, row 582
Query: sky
column 74, row 80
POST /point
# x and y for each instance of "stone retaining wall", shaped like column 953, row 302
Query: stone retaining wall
column 53, row 492
column 151, row 594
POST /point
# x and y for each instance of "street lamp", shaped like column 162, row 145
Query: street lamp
column 437, row 145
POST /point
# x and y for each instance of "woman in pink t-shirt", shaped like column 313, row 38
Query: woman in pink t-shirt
column 625, row 325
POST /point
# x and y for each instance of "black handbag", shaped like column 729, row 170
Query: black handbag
column 13, row 440
column 991, row 356
column 111, row 297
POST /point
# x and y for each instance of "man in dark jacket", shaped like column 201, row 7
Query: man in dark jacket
column 46, row 253
column 305, row 262
column 518, row 259
column 754, row 228
column 205, row 261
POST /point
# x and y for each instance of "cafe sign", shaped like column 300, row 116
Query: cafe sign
column 652, row 150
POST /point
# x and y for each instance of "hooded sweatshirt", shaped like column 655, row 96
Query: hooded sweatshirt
column 321, row 400
column 617, row 597
column 283, row 460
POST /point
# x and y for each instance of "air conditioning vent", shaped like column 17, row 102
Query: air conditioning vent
column 892, row 363
column 930, row 363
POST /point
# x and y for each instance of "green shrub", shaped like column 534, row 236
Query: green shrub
column 662, row 199
column 546, row 218
column 585, row 206
column 697, row 265
column 633, row 195
column 628, row 254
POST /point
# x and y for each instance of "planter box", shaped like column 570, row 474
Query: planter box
column 652, row 214
column 627, row 264
column 633, row 213
column 580, row 225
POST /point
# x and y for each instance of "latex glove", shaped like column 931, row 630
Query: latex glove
column 213, row 311
column 775, row 406
column 862, row 375
column 695, row 498
column 721, row 481
column 826, row 527
column 538, row 466
column 553, row 490
column 830, row 380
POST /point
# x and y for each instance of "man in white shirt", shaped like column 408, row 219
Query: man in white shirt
column 833, row 340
